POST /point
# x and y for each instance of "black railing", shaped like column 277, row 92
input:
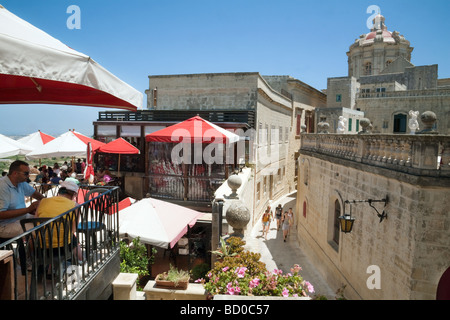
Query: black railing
column 56, row 258
column 175, row 187
column 236, row 116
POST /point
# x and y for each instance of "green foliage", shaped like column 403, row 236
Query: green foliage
column 200, row 270
column 133, row 258
column 230, row 247
column 174, row 275
column 242, row 273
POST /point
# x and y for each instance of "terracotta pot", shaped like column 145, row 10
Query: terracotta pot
column 165, row 284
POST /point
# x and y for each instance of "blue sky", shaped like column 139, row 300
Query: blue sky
column 133, row 39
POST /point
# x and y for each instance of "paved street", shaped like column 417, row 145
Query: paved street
column 276, row 253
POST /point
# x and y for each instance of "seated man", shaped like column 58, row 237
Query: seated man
column 54, row 206
column 13, row 190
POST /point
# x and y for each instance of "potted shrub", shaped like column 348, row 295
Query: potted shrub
column 173, row 279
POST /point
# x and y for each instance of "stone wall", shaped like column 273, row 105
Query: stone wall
column 203, row 91
column 411, row 247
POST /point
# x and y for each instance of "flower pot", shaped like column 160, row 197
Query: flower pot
column 165, row 284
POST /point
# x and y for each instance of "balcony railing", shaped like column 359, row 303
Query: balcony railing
column 189, row 188
column 246, row 116
column 58, row 258
column 427, row 155
column 406, row 93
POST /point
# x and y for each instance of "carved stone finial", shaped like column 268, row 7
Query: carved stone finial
column 365, row 125
column 428, row 119
column 238, row 216
column 234, row 182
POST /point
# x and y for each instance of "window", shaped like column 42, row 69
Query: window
column 258, row 191
column 304, row 209
column 338, row 98
column 365, row 93
column 400, row 123
column 357, row 125
column 337, row 214
column 381, row 92
column 280, row 132
column 350, row 125
column 368, row 69
column 299, row 124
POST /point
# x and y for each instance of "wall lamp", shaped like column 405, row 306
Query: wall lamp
column 347, row 221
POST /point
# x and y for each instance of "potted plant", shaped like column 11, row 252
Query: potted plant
column 173, row 279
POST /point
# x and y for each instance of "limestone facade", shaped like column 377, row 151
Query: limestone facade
column 410, row 250
column 384, row 85
column 282, row 105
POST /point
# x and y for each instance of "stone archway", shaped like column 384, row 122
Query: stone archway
column 443, row 289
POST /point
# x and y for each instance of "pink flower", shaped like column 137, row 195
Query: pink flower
column 285, row 292
column 309, row 286
column 225, row 269
column 254, row 283
column 241, row 272
column 230, row 289
column 199, row 280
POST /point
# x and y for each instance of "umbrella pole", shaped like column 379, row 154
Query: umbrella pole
column 118, row 167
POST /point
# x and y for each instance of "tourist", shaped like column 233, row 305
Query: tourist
column 266, row 222
column 13, row 190
column 288, row 220
column 278, row 215
column 56, row 169
column 54, row 206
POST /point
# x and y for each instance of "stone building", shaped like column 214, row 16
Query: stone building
column 406, row 255
column 281, row 105
column 383, row 85
column 269, row 111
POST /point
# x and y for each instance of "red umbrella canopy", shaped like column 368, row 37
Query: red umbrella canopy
column 95, row 143
column 119, row 145
column 37, row 68
column 194, row 130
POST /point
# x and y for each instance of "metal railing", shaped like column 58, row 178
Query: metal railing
column 173, row 187
column 241, row 116
column 56, row 258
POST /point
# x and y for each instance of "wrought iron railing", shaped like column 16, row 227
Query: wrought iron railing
column 241, row 116
column 56, row 258
column 189, row 188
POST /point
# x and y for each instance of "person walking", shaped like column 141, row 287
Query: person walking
column 278, row 215
column 266, row 223
column 288, row 220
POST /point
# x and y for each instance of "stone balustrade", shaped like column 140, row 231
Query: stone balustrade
column 427, row 155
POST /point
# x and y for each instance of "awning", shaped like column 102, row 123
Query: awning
column 156, row 222
column 193, row 130
column 69, row 144
column 37, row 68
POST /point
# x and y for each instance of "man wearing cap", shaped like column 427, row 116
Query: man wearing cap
column 54, row 206
column 13, row 190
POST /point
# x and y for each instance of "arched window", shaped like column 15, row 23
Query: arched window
column 337, row 214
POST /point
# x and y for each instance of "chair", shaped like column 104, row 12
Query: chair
column 90, row 228
column 44, row 256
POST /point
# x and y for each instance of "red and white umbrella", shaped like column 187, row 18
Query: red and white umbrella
column 37, row 68
column 193, row 130
column 69, row 144
column 89, row 169
column 119, row 146
column 36, row 139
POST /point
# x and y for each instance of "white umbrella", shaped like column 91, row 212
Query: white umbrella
column 68, row 144
column 37, row 68
column 156, row 222
column 10, row 147
column 36, row 140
